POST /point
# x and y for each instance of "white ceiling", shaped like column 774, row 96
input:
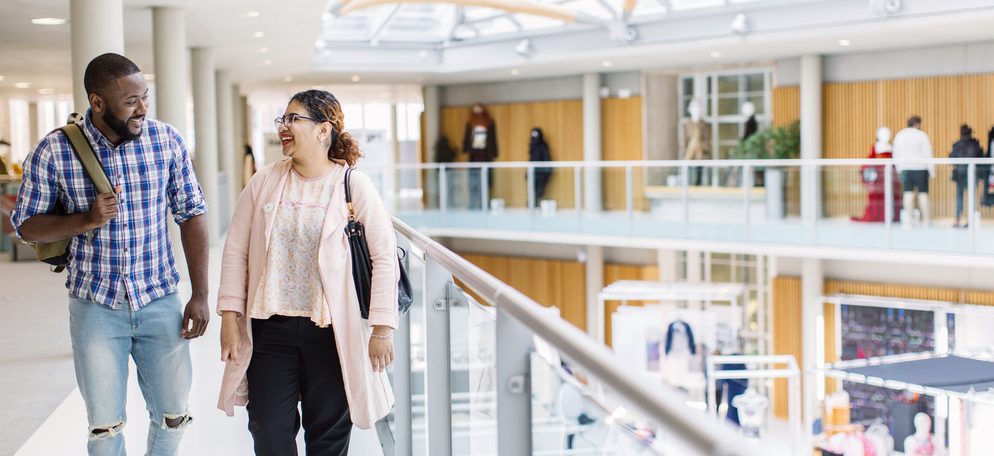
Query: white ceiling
column 782, row 28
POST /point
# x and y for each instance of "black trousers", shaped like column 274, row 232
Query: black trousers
column 293, row 359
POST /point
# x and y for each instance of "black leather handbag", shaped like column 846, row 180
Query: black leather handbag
column 362, row 264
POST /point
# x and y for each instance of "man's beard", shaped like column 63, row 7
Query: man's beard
column 120, row 126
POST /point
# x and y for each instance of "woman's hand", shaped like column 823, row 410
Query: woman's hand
column 231, row 336
column 381, row 348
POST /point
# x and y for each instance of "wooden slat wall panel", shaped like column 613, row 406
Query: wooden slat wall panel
column 828, row 312
column 786, row 104
column 786, row 332
column 560, row 121
column 621, row 130
column 549, row 282
column 616, row 272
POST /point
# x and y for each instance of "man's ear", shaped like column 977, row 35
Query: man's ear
column 96, row 103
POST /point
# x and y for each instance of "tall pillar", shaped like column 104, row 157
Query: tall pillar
column 34, row 135
column 594, row 265
column 669, row 265
column 812, row 288
column 240, row 137
column 205, row 117
column 695, row 273
column 432, row 120
column 96, row 27
column 811, row 136
column 230, row 158
column 592, row 195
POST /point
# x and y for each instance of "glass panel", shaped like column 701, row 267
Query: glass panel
column 728, row 84
column 473, row 377
column 416, row 271
column 755, row 82
column 759, row 102
column 728, row 131
column 687, row 86
column 614, row 189
column 572, row 415
column 717, row 211
column 556, row 185
column 507, row 185
column 728, row 106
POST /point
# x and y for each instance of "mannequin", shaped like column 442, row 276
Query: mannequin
column 696, row 138
column 480, row 142
column 920, row 443
column 875, row 182
column 538, row 151
column 752, row 412
column 751, row 125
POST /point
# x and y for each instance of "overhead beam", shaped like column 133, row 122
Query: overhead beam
column 382, row 23
column 512, row 6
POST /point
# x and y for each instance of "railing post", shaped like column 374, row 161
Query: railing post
column 971, row 202
column 747, row 197
column 685, row 198
column 629, row 196
column 485, row 188
column 530, row 182
column 438, row 388
column 403, row 422
column 443, row 191
column 514, row 421
column 889, row 202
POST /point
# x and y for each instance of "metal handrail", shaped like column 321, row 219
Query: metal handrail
column 724, row 163
column 701, row 432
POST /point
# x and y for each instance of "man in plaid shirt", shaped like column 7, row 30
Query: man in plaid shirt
column 122, row 275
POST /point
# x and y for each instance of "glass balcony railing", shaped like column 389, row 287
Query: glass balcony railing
column 481, row 369
column 855, row 204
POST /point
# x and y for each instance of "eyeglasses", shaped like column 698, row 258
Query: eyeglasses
column 289, row 119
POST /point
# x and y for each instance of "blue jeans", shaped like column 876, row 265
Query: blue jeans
column 102, row 340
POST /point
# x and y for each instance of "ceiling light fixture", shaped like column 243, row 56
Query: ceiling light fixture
column 263, row 49
column 740, row 25
column 267, row 62
column 48, row 21
column 524, row 48
column 46, row 91
column 607, row 64
column 1, row 78
column 515, row 72
column 288, row 79
column 23, row 85
column 252, row 14
column 320, row 44
column 259, row 34
column 715, row 55
column 355, row 78
column 845, row 43
column 149, row 76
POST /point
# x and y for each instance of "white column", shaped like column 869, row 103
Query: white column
column 669, row 265
column 432, row 120
column 96, row 27
column 34, row 135
column 812, row 326
column 205, row 116
column 596, row 317
column 811, row 136
column 230, row 157
column 172, row 70
column 240, row 136
column 694, row 273
column 592, row 196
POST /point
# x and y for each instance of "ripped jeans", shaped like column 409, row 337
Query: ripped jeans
column 102, row 340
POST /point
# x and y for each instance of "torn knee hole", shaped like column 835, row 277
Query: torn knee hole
column 106, row 432
column 175, row 422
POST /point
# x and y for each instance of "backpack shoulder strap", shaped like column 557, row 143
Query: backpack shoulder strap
column 87, row 157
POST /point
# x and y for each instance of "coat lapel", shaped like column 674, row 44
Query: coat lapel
column 335, row 215
column 273, row 195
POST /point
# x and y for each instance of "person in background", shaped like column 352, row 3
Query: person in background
column 913, row 144
column 248, row 166
column 538, row 151
column 966, row 147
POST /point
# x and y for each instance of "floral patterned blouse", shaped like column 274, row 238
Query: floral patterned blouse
column 290, row 284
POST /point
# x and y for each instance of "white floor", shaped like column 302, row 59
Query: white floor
column 64, row 432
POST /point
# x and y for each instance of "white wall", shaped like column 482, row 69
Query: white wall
column 565, row 88
column 929, row 276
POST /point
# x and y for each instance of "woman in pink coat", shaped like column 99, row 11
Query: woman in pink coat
column 291, row 328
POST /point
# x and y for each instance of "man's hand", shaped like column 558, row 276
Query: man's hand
column 381, row 348
column 104, row 209
column 231, row 336
column 196, row 314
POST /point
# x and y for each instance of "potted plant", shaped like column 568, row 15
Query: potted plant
column 779, row 143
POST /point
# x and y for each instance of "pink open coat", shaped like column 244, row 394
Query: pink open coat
column 369, row 394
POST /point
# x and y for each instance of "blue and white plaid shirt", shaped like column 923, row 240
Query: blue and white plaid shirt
column 130, row 258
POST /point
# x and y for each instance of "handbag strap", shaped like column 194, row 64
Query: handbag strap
column 87, row 157
column 348, row 194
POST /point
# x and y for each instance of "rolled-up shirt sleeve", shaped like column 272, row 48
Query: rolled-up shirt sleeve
column 39, row 190
column 186, row 199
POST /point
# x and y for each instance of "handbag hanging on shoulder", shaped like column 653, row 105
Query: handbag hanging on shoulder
column 362, row 264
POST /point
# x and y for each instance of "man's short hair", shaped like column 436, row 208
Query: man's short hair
column 965, row 130
column 107, row 68
column 914, row 121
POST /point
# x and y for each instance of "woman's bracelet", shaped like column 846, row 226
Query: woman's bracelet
column 379, row 336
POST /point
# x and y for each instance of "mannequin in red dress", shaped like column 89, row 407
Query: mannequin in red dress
column 874, row 181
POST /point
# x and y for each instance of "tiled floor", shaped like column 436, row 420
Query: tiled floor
column 44, row 414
